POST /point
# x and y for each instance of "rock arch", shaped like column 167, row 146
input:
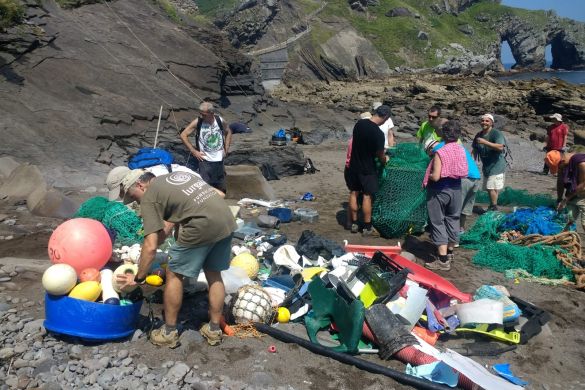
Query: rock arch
column 528, row 42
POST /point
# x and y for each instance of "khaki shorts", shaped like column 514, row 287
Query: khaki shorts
column 494, row 182
column 576, row 208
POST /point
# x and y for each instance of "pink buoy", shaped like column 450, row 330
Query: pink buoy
column 82, row 243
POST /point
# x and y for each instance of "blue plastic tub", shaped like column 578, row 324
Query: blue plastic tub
column 90, row 320
column 282, row 213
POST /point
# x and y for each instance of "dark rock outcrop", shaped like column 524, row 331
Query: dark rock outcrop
column 80, row 94
column 246, row 24
column 455, row 6
column 282, row 160
column 399, row 11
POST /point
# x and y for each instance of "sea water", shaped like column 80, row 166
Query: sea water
column 572, row 77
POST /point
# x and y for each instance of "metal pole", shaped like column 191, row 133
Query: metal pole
column 157, row 127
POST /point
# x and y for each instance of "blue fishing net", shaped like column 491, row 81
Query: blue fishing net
column 542, row 220
column 538, row 260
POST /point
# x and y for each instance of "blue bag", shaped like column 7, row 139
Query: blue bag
column 148, row 157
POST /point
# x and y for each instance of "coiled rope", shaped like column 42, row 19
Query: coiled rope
column 570, row 256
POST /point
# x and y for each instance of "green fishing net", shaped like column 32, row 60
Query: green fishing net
column 400, row 204
column 484, row 230
column 538, row 260
column 510, row 196
column 115, row 217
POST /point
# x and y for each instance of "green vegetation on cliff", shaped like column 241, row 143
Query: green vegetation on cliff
column 397, row 38
column 421, row 39
column 11, row 12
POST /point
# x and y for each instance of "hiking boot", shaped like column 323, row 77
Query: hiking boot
column 355, row 228
column 438, row 265
column 161, row 338
column 213, row 337
column 451, row 256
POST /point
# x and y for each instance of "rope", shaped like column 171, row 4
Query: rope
column 246, row 331
column 570, row 242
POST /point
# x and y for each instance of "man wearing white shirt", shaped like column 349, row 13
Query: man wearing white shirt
column 387, row 128
column 211, row 146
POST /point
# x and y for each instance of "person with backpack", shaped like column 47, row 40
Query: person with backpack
column 211, row 146
column 489, row 146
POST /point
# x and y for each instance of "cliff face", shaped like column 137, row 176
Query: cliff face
column 448, row 36
column 83, row 87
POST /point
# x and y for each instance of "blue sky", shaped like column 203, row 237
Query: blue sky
column 574, row 9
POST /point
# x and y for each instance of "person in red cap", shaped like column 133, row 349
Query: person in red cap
column 556, row 138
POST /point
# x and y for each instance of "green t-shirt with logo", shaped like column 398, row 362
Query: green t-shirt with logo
column 184, row 198
column 425, row 131
column 493, row 161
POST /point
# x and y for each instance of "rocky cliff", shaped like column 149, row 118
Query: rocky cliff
column 366, row 38
column 82, row 87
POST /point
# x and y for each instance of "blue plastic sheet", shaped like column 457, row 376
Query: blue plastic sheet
column 504, row 371
column 437, row 372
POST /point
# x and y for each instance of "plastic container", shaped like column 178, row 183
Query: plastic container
column 416, row 299
column 234, row 278
column 307, row 215
column 282, row 213
column 90, row 320
column 483, row 311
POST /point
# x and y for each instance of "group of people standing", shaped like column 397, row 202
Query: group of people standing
column 452, row 177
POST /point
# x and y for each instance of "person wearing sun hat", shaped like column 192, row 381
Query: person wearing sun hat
column 114, row 181
column 489, row 147
column 556, row 139
column 116, row 175
column 206, row 227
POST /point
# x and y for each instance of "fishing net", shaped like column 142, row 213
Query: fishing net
column 484, row 230
column 400, row 204
column 510, row 196
column 116, row 217
column 490, row 226
column 538, row 260
column 542, row 220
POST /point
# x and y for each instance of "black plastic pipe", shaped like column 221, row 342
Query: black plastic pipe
column 351, row 360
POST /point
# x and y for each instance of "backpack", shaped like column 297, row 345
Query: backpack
column 198, row 130
column 148, row 157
